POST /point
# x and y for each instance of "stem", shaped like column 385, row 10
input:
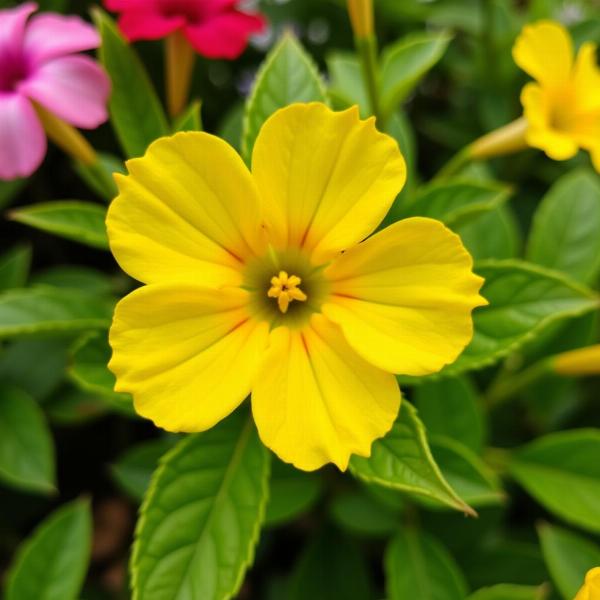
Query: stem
column 66, row 137
column 367, row 52
column 456, row 164
column 507, row 388
column 179, row 60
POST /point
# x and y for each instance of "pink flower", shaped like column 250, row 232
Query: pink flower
column 39, row 65
column 215, row 28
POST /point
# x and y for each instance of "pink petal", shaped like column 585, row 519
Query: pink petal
column 74, row 88
column 147, row 25
column 124, row 5
column 225, row 35
column 49, row 36
column 22, row 138
column 12, row 27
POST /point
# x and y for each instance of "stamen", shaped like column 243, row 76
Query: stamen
column 285, row 288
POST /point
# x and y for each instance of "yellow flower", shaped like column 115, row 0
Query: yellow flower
column 563, row 108
column 217, row 246
column 583, row 361
column 591, row 587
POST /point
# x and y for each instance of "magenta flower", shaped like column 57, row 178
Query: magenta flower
column 40, row 70
column 214, row 28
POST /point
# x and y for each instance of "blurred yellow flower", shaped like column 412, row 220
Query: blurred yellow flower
column 591, row 587
column 562, row 108
column 583, row 361
column 260, row 282
column 361, row 17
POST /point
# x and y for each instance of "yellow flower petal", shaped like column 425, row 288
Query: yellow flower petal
column 591, row 587
column 544, row 50
column 316, row 401
column 404, row 297
column 583, row 361
column 537, row 107
column 188, row 211
column 587, row 79
column 173, row 349
column 327, row 179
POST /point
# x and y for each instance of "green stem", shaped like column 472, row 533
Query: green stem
column 509, row 387
column 460, row 160
column 367, row 52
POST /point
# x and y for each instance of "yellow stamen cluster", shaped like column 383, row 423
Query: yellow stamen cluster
column 285, row 288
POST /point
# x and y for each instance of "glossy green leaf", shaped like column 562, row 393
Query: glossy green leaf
column 201, row 518
column 346, row 87
column 562, row 472
column 565, row 234
column 569, row 556
column 100, row 176
column 14, row 267
column 72, row 407
column 52, row 563
column 468, row 475
column 359, row 513
column 494, row 234
column 418, row 566
column 406, row 62
column 457, row 202
column 403, row 461
column 52, row 310
column 135, row 110
column 450, row 407
column 190, row 119
column 332, row 566
column 80, row 278
column 523, row 300
column 506, row 591
column 288, row 75
column 292, row 492
column 79, row 221
column 133, row 470
column 26, row 446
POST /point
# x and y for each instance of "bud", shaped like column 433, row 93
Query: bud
column 583, row 361
column 361, row 16
column 179, row 61
column 506, row 140
column 591, row 587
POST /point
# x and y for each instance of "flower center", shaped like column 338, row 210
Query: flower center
column 285, row 289
column 192, row 11
column 13, row 70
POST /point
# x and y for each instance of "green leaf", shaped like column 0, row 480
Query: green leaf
column 288, row 75
column 190, row 119
column 566, row 228
column 136, row 113
column 134, row 469
column 506, row 591
column 403, row 461
column 80, row 278
column 406, row 62
column 99, row 176
column 332, row 566
column 562, row 472
column 52, row 563
column 359, row 513
column 9, row 190
column 52, row 310
column 70, row 406
column 292, row 492
column 457, row 202
column 201, row 518
column 26, row 447
column 523, row 300
column 14, row 267
column 450, row 407
column 473, row 481
column 346, row 86
column 494, row 234
column 79, row 221
column 418, row 566
column 89, row 371
column 568, row 557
